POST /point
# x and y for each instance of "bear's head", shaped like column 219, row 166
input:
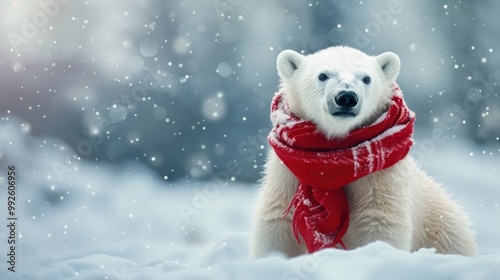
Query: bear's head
column 339, row 88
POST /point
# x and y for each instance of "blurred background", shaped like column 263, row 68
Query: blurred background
column 185, row 86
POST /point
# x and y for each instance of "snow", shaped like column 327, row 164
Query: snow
column 368, row 147
column 322, row 238
column 152, row 92
column 103, row 221
column 356, row 160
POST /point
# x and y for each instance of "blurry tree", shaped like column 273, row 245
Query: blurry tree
column 471, row 29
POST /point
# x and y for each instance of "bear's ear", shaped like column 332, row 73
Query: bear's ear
column 390, row 64
column 288, row 61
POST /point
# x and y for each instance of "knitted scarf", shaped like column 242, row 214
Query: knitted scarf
column 324, row 166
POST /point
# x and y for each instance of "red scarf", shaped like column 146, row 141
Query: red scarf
column 324, row 166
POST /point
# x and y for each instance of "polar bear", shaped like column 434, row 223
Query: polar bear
column 339, row 90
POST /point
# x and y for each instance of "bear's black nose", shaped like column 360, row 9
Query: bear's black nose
column 346, row 99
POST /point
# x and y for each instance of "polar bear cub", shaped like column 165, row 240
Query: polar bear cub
column 400, row 205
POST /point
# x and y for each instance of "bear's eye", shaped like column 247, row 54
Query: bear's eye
column 366, row 80
column 322, row 77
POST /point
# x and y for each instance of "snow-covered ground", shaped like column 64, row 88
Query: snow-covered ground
column 97, row 221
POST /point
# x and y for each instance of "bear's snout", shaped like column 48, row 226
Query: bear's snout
column 346, row 99
column 345, row 104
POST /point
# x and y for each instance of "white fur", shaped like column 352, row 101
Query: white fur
column 400, row 205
